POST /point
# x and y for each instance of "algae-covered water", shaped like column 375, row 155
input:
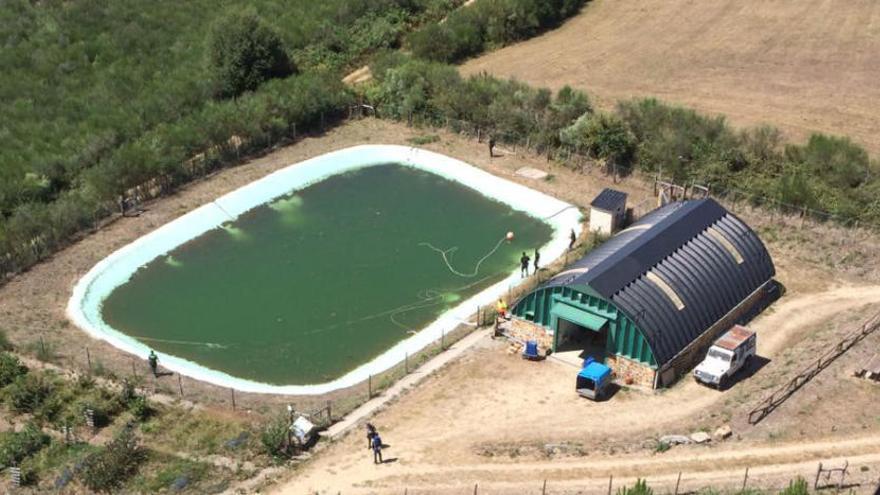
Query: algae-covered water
column 312, row 285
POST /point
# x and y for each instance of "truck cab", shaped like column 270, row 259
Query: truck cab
column 726, row 356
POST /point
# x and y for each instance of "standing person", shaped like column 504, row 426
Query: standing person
column 524, row 265
column 491, row 146
column 153, row 360
column 537, row 259
column 371, row 432
column 501, row 308
column 377, row 449
column 571, row 238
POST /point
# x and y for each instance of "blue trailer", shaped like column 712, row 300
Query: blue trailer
column 593, row 380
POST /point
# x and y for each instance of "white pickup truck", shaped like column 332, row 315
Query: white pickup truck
column 726, row 356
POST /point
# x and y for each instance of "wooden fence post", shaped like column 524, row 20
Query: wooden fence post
column 370, row 387
column 677, row 483
column 180, row 384
column 89, row 359
column 745, row 479
column 232, row 393
column 610, row 481
column 544, row 488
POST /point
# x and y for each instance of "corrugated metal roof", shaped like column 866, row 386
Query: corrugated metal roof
column 734, row 337
column 674, row 244
column 609, row 199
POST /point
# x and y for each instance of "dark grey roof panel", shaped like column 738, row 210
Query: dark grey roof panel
column 675, row 243
column 609, row 200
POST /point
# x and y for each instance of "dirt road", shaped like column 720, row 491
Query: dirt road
column 804, row 66
column 470, row 425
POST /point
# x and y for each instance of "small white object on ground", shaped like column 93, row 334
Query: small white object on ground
column 700, row 437
column 531, row 173
column 675, row 439
column 723, row 432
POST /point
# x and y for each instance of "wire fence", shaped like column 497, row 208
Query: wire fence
column 574, row 159
column 774, row 400
column 837, row 477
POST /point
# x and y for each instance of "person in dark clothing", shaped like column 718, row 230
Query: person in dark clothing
column 153, row 360
column 572, row 238
column 377, row 449
column 524, row 265
column 491, row 147
column 371, row 432
column 537, row 260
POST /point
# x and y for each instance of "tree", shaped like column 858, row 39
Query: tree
column 244, row 52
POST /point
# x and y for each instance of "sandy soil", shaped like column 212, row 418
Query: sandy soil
column 489, row 418
column 804, row 66
column 487, row 408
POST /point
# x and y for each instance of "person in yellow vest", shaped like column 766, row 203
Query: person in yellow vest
column 501, row 307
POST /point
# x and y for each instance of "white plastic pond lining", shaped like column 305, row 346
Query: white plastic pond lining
column 84, row 307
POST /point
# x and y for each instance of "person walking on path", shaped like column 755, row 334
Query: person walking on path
column 491, row 147
column 524, row 265
column 377, row 449
column 153, row 360
column 537, row 260
column 371, row 432
column 572, row 238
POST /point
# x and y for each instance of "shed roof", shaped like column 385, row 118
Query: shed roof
column 609, row 199
column 695, row 277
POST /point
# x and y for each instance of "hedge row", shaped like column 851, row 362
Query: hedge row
column 220, row 133
column 826, row 173
column 488, row 24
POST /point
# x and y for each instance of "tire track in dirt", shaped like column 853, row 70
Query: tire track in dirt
column 437, row 456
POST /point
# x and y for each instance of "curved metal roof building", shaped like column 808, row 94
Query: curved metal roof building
column 659, row 285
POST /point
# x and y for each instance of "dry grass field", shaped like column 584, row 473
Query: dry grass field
column 804, row 66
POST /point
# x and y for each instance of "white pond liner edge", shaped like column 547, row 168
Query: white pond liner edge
column 84, row 306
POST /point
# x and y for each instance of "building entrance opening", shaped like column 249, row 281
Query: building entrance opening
column 580, row 341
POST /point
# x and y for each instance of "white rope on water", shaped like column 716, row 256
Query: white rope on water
column 209, row 345
column 455, row 248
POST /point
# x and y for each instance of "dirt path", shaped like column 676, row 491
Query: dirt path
column 803, row 66
column 465, row 425
column 769, row 466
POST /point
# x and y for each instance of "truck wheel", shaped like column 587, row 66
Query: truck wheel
column 723, row 383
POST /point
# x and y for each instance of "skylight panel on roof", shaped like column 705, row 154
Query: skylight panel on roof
column 667, row 289
column 718, row 236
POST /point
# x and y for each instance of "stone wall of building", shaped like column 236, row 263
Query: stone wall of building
column 525, row 330
column 695, row 352
column 629, row 372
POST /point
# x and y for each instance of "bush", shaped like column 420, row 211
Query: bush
column 109, row 468
column 244, row 53
column 5, row 344
column 796, row 486
column 274, row 438
column 140, row 408
column 28, row 393
column 488, row 23
column 10, row 368
column 16, row 446
column 640, row 488
column 602, row 136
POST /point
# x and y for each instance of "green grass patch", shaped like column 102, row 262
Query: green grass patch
column 424, row 139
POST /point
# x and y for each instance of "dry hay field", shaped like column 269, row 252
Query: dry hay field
column 803, row 66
